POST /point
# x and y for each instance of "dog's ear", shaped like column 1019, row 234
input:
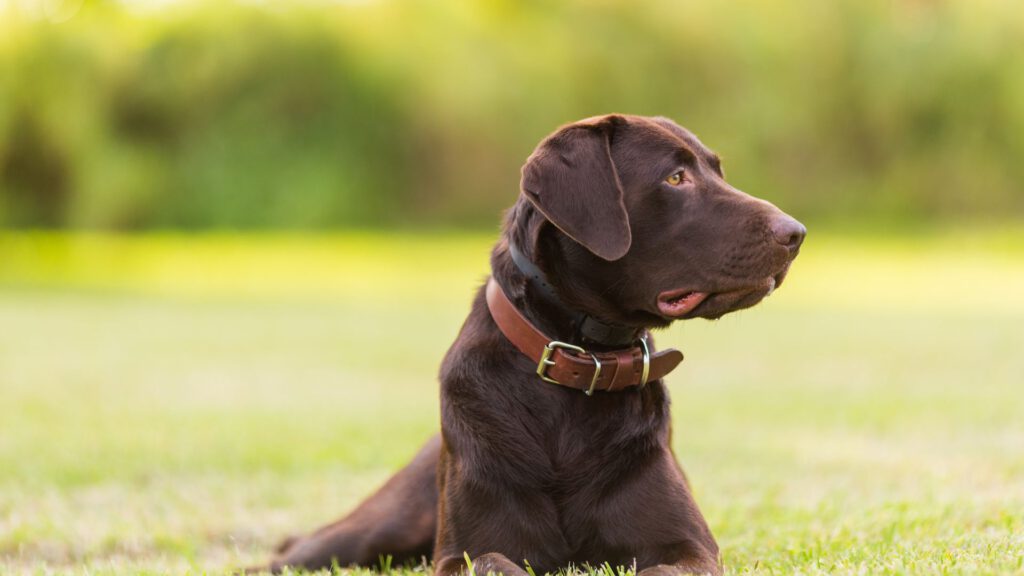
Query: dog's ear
column 572, row 180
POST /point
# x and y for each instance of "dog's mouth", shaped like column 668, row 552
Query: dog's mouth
column 679, row 303
column 682, row 303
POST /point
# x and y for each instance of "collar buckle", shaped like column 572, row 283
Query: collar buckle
column 549, row 349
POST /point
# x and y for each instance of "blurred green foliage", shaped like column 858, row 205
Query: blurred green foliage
column 420, row 112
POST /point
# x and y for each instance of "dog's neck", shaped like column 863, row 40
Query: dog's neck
column 528, row 288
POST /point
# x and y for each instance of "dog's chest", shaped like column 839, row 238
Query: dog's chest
column 596, row 444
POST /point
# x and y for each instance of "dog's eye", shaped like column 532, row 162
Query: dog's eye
column 675, row 179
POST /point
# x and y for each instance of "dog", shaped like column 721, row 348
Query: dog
column 555, row 431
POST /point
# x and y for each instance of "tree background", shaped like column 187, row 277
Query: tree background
column 419, row 113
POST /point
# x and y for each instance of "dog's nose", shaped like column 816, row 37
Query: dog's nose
column 788, row 231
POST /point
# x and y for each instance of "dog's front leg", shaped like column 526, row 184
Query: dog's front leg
column 492, row 563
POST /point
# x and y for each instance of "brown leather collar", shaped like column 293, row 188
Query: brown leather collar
column 572, row 366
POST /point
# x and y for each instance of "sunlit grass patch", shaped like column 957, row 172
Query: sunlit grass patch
column 971, row 270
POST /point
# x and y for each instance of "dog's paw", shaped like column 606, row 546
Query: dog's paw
column 495, row 563
column 681, row 570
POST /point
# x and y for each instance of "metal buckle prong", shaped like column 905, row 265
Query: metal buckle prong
column 597, row 374
column 647, row 362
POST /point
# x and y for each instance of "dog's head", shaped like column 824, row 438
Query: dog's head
column 637, row 224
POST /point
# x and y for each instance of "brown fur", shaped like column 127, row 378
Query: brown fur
column 525, row 470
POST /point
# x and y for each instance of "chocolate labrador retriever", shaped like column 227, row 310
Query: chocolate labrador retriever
column 555, row 431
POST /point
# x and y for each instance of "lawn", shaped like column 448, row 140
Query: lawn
column 174, row 403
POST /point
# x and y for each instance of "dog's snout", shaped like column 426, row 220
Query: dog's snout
column 788, row 231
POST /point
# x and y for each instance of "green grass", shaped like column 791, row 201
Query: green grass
column 174, row 404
